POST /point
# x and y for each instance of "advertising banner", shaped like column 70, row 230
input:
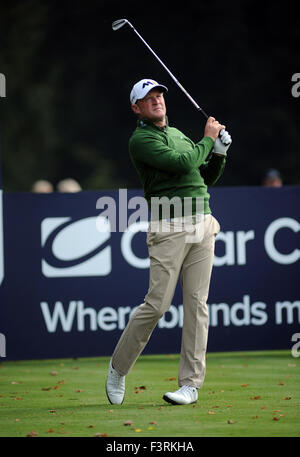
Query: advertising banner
column 73, row 267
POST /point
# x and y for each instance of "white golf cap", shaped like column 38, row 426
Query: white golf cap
column 141, row 89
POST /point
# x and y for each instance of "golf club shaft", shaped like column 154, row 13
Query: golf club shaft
column 116, row 25
column 170, row 73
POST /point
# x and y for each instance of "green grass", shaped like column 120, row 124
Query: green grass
column 244, row 394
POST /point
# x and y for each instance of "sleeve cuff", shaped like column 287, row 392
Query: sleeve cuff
column 208, row 141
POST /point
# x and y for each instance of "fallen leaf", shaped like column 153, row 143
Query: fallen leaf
column 255, row 417
column 245, row 385
column 52, row 411
column 91, row 426
column 46, row 388
column 79, row 390
column 53, row 373
column 276, row 418
column 17, row 420
column 281, row 383
column 228, row 406
column 263, row 407
column 257, row 397
column 16, row 382
column 100, row 434
column 32, row 433
column 170, row 379
column 287, row 398
column 128, row 423
column 210, row 412
column 50, row 430
column 230, row 421
column 139, row 389
column 153, row 423
column 138, row 430
column 150, row 428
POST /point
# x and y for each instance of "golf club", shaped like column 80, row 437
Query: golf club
column 116, row 25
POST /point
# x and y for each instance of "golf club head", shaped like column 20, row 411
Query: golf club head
column 116, row 25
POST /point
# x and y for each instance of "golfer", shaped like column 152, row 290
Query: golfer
column 170, row 165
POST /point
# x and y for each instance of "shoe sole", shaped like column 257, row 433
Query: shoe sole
column 173, row 402
column 111, row 401
column 168, row 400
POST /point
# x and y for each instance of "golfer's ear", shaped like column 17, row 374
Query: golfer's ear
column 135, row 108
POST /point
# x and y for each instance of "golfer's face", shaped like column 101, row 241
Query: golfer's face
column 152, row 106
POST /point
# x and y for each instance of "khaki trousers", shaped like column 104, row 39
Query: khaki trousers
column 174, row 251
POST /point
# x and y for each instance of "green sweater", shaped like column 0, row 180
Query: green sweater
column 170, row 165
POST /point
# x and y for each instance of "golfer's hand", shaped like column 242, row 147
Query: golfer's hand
column 222, row 143
column 213, row 128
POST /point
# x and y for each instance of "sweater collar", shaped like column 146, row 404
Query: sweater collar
column 144, row 122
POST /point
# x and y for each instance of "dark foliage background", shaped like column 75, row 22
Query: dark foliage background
column 68, row 78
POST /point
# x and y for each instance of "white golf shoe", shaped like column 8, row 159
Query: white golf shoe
column 115, row 386
column 183, row 396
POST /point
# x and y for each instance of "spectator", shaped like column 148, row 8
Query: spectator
column 272, row 178
column 42, row 186
column 68, row 185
